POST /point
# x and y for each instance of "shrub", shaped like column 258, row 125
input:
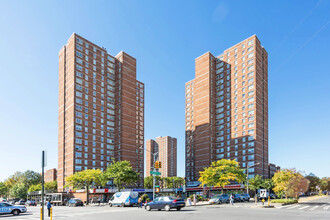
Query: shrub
column 285, row 201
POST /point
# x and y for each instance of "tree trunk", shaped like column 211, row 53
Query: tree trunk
column 87, row 195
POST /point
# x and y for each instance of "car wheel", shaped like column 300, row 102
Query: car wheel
column 159, row 210
column 15, row 212
column 167, row 208
column 179, row 208
column 148, row 208
column 220, row 202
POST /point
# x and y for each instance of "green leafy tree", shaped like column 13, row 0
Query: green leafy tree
column 19, row 191
column 325, row 183
column 28, row 178
column 3, row 190
column 255, row 182
column 34, row 188
column 221, row 172
column 85, row 179
column 51, row 185
column 314, row 182
column 267, row 184
column 122, row 173
column 148, row 181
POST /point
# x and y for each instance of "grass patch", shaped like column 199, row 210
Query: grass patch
column 285, row 201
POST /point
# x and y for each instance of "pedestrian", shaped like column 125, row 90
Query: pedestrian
column 140, row 203
column 99, row 201
column 49, row 206
column 232, row 199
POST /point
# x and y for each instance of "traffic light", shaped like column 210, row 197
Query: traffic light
column 159, row 164
column 157, row 190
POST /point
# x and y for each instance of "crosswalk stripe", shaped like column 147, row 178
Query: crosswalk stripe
column 292, row 207
column 304, row 207
column 281, row 207
column 315, row 207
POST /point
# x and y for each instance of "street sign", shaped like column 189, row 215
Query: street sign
column 263, row 193
column 155, row 173
column 156, row 185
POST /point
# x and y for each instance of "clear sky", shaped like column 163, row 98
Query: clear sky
column 165, row 37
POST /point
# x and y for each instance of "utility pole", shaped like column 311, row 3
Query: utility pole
column 42, row 183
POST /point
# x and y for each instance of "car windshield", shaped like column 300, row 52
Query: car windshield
column 215, row 197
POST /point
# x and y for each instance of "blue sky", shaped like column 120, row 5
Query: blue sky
column 165, row 37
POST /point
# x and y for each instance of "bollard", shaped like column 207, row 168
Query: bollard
column 41, row 213
column 51, row 213
column 268, row 200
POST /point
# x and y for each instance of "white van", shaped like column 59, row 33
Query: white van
column 124, row 199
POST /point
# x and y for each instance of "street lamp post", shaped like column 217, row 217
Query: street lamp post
column 247, row 177
column 154, row 169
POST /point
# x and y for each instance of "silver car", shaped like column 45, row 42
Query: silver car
column 219, row 199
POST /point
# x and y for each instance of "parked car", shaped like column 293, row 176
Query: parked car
column 166, row 202
column 6, row 208
column 31, row 203
column 124, row 199
column 237, row 198
column 273, row 196
column 20, row 202
column 75, row 202
column 245, row 197
column 218, row 199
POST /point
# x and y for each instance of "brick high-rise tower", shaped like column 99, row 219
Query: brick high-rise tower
column 101, row 109
column 167, row 154
column 227, row 109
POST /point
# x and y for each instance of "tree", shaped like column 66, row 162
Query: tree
column 3, row 190
column 122, row 173
column 297, row 184
column 34, row 188
column 289, row 182
column 267, row 184
column 31, row 177
column 85, row 179
column 28, row 178
column 148, row 181
column 255, row 182
column 19, row 190
column 220, row 173
column 325, row 185
column 314, row 182
column 51, row 185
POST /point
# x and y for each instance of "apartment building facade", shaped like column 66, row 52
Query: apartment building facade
column 50, row 175
column 101, row 110
column 165, row 150
column 227, row 109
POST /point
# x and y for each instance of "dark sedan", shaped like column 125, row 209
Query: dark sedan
column 75, row 202
column 166, row 202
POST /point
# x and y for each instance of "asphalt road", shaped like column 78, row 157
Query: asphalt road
column 316, row 209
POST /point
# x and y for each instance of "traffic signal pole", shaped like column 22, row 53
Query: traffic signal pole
column 42, row 183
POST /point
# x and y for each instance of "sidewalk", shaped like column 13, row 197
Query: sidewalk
column 198, row 203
